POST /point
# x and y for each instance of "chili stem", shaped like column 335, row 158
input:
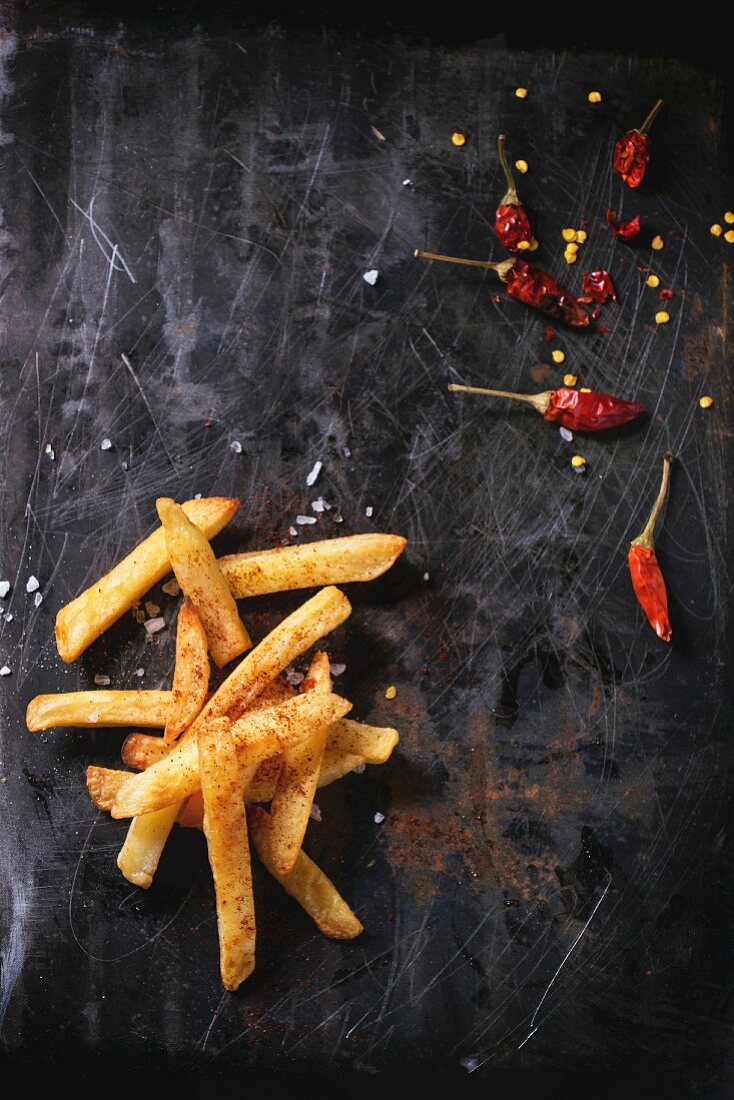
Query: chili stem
column 511, row 196
column 650, row 118
column 501, row 268
column 646, row 538
column 539, row 401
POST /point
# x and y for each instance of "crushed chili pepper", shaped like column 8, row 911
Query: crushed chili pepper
column 647, row 578
column 632, row 152
column 511, row 222
column 549, row 334
column 597, row 287
column 579, row 410
column 527, row 283
column 666, row 295
column 625, row 230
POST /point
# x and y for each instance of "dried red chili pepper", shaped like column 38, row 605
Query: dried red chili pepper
column 597, row 287
column 511, row 222
column 647, row 578
column 527, row 283
column 632, row 152
column 580, row 411
column 625, row 230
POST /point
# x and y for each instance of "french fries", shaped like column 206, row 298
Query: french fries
column 331, row 561
column 78, row 623
column 196, row 569
column 256, row 736
column 374, row 743
column 294, row 790
column 91, row 709
column 306, row 883
column 191, row 674
column 146, row 838
column 225, row 828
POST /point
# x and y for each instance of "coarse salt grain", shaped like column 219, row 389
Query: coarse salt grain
column 236, row 446
column 567, row 435
column 4, row 671
column 154, row 625
column 371, row 276
column 337, row 670
column 106, row 444
column 32, row 584
column 407, row 183
column 320, row 505
column 315, row 471
column 197, row 496
column 314, row 813
column 101, row 680
column 338, row 517
column 368, row 511
column 426, row 576
column 4, row 589
column 469, row 1064
column 305, row 519
column 293, row 531
column 379, row 818
column 172, row 587
column 293, row 677
column 359, row 768
column 50, row 452
column 37, row 599
column 8, row 617
column 140, row 672
column 346, row 452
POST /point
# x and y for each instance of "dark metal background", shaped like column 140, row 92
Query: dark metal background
column 546, row 898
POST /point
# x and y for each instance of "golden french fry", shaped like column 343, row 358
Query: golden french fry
column 103, row 785
column 146, row 838
column 200, row 577
column 140, row 750
column 294, row 790
column 331, row 561
column 374, row 743
column 307, row 884
column 97, row 608
column 191, row 674
column 99, row 708
column 256, row 736
column 225, row 828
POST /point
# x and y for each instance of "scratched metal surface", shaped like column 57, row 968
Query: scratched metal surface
column 545, row 899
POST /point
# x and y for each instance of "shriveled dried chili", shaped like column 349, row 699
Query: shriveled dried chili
column 597, row 287
column 647, row 578
column 580, row 411
column 625, row 230
column 529, row 284
column 632, row 152
column 511, row 222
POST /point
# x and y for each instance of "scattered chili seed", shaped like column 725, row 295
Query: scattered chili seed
column 391, row 692
column 584, row 389
column 716, row 229
column 533, row 244
column 706, row 402
column 522, row 166
column 558, row 356
column 572, row 248
column 523, row 246
column 570, row 379
column 570, row 257
column 729, row 217
column 458, row 138
column 594, row 97
column 653, row 281
column 521, row 93
column 568, row 234
column 657, row 243
column 581, row 236
column 729, row 236
column 578, row 462
column 662, row 317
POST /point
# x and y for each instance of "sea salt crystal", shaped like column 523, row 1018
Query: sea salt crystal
column 101, row 680
column 172, row 587
column 469, row 1064
column 368, row 511
column 293, row 531
column 50, row 452
column 4, row 671
column 407, row 183
column 346, row 452
column 37, row 599
column 305, row 519
column 106, row 444
column 197, row 496
column 315, row 471
column 32, row 584
column 379, row 818
column 140, row 672
column 426, row 576
column 154, row 625
column 236, row 446
column 338, row 517
column 566, row 434
column 337, row 670
column 293, row 677
column 371, row 277
column 8, row 617
column 359, row 768
column 320, row 505
column 314, row 812
column 4, row 589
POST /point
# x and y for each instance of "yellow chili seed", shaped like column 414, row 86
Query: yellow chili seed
column 716, row 230
column 570, row 257
column 391, row 692
column 729, row 236
column 570, row 379
column 584, row 389
column 653, row 281
column 572, row 248
column 578, row 461
column 568, row 234
column 523, row 246
column 594, row 97
column 706, row 402
column 658, row 243
column 662, row 317
column 729, row 217
column 581, row 235
column 558, row 356
column 458, row 138
column 533, row 244
column 522, row 166
column 521, row 93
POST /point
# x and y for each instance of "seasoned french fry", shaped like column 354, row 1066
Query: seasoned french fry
column 146, row 838
column 331, row 561
column 191, row 674
column 294, row 790
column 307, row 884
column 98, row 607
column 374, row 743
column 200, row 577
column 225, row 828
column 256, row 736
column 103, row 785
column 99, row 708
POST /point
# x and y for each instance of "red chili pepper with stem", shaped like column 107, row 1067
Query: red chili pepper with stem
column 511, row 222
column 632, row 152
column 580, row 411
column 647, row 578
column 527, row 283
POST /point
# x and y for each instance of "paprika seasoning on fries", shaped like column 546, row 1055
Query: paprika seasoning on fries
column 647, row 577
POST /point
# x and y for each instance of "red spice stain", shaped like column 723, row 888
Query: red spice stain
column 697, row 352
column 541, row 374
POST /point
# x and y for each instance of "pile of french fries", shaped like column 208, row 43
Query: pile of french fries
column 253, row 740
